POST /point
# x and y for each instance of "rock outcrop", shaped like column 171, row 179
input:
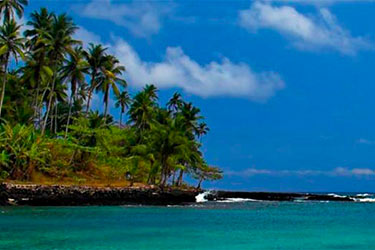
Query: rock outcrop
column 57, row 195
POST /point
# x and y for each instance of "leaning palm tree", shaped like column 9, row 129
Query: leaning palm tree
column 96, row 58
column 74, row 71
column 11, row 44
column 123, row 101
column 9, row 7
column 60, row 42
column 110, row 78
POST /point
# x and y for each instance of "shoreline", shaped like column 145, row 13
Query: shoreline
column 76, row 195
column 63, row 195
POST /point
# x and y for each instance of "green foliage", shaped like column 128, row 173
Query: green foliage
column 45, row 132
column 22, row 150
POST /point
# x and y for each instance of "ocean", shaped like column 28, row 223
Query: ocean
column 236, row 224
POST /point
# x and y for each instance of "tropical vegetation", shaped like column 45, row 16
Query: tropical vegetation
column 49, row 130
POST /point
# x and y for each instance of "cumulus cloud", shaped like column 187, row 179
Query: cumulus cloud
column 142, row 18
column 306, row 32
column 178, row 70
column 222, row 78
column 339, row 171
column 86, row 36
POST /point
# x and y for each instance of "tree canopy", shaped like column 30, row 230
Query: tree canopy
column 49, row 131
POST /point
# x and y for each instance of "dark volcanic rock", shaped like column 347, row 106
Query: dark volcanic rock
column 269, row 196
column 40, row 195
column 319, row 197
column 265, row 196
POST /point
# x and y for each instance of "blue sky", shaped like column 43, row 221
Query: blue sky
column 287, row 87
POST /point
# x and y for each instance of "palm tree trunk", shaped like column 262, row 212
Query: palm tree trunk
column 56, row 116
column 88, row 101
column 121, row 118
column 49, row 104
column 4, row 82
column 35, row 105
column 106, row 95
column 174, row 177
column 199, row 183
column 40, row 106
column 179, row 181
column 92, row 87
column 105, row 110
column 51, row 117
column 69, row 114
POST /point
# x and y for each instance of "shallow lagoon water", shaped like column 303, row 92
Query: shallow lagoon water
column 211, row 225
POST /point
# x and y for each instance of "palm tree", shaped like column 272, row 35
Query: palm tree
column 141, row 111
column 96, row 58
column 110, row 78
column 36, row 75
column 37, row 66
column 172, row 147
column 188, row 118
column 41, row 24
column 123, row 101
column 74, row 71
column 202, row 129
column 175, row 102
column 11, row 44
column 58, row 96
column 60, row 42
column 151, row 91
column 9, row 7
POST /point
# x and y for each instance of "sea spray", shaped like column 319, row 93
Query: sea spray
column 202, row 197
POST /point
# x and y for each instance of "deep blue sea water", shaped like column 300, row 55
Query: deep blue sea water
column 243, row 225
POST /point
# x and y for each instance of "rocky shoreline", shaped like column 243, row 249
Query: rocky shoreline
column 59, row 195
column 271, row 196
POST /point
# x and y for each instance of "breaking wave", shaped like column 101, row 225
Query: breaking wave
column 364, row 200
column 202, row 197
column 231, row 200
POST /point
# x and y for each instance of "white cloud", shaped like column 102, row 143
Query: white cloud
column 306, row 32
column 87, row 37
column 177, row 69
column 142, row 18
column 340, row 171
column 223, row 78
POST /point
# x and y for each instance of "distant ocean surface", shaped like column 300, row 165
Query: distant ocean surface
column 208, row 225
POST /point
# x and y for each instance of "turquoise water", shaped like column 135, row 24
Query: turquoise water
column 248, row 225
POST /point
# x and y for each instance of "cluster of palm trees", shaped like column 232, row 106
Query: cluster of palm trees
column 48, row 83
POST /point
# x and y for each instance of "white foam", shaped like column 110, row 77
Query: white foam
column 365, row 200
column 201, row 197
column 229, row 200
column 363, row 195
column 337, row 196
